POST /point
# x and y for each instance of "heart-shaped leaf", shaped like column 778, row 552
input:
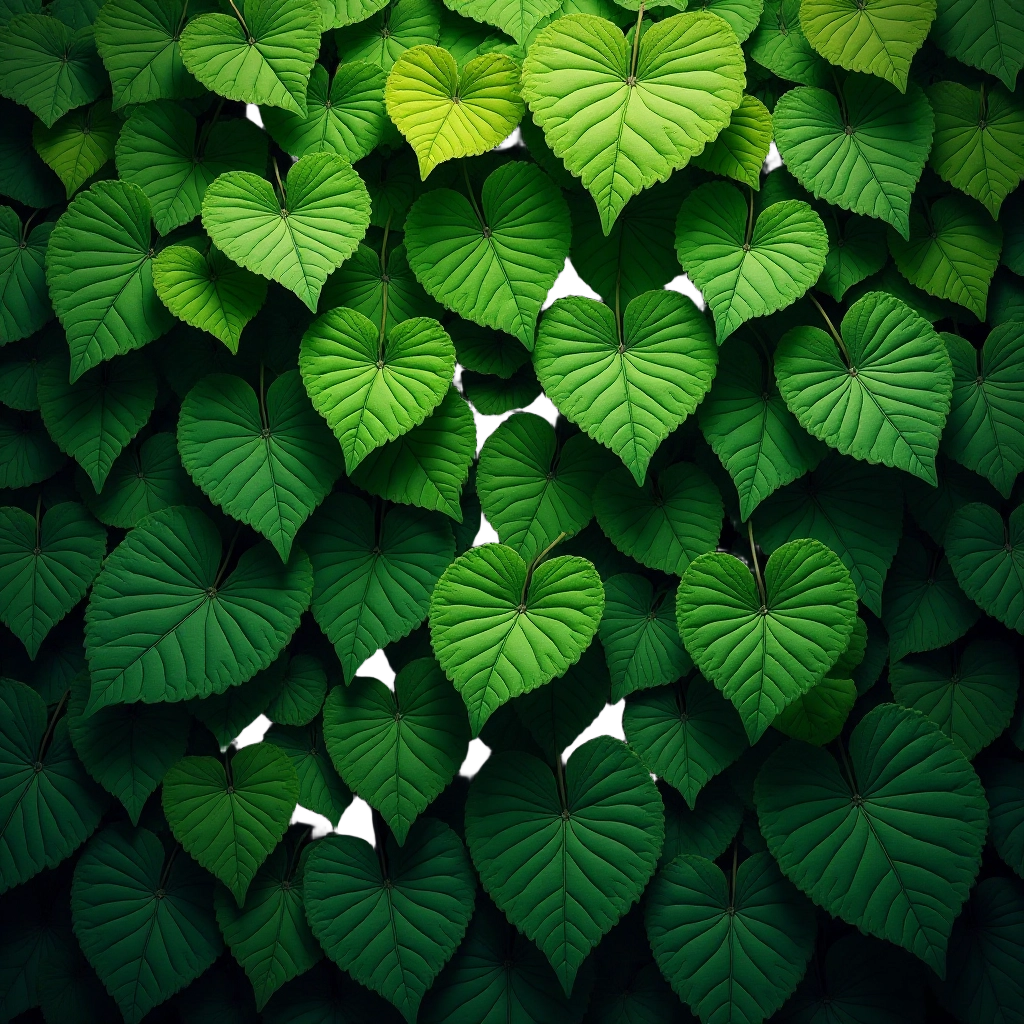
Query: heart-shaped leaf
column 493, row 263
column 383, row 37
column 27, row 455
column 779, row 44
column 79, row 144
column 230, row 814
column 765, row 645
column 818, row 716
column 26, row 306
column 501, row 627
column 320, row 787
column 227, row 714
column 741, row 149
column 301, row 694
column 298, row 237
column 989, row 37
column 628, row 384
column 746, row 268
column 621, row 122
column 857, row 250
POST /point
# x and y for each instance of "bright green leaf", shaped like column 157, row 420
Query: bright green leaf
column 740, row 150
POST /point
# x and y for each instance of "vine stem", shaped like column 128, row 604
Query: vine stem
column 560, row 781
column 51, row 725
column 385, row 282
column 750, row 221
column 472, row 198
column 204, row 135
column 533, row 565
column 263, row 405
column 238, row 15
column 280, row 187
column 636, row 46
column 39, row 521
column 227, row 558
column 831, row 327
column 757, row 568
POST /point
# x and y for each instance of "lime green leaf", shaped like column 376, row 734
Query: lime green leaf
column 952, row 252
column 320, row 787
column 639, row 636
column 374, row 569
column 26, row 305
column 565, row 861
column 516, row 18
column 79, row 144
column 857, row 250
column 863, row 151
column 144, row 949
column 161, row 150
column 866, row 397
column 23, row 176
column 262, row 55
column 733, row 952
column 296, row 238
column 164, row 622
column 227, row 714
column 740, row 150
column 229, row 815
column 27, row 455
column 47, row 812
column 344, row 114
column 622, row 125
column 501, row 627
column 397, row 750
column 339, row 13
column 382, row 38
column 46, row 565
column 446, row 112
column 48, row 67
column 746, row 269
column 100, row 273
column 742, row 16
column 1004, row 788
column 429, row 465
column 987, row 36
column 393, row 920
column 370, row 385
column 302, row 692
column 894, row 845
column 94, row 418
column 627, row 385
column 764, row 652
column 493, row 263
column 818, row 716
column 780, row 45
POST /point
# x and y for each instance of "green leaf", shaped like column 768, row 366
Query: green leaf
column 261, row 55
column 26, row 305
column 780, row 45
column 127, row 749
column 922, row 606
column 94, row 418
column 19, row 370
column 620, row 137
column 79, row 144
column 485, row 351
column 23, row 175
column 344, row 114
column 639, row 636
column 763, row 652
column 165, row 621
column 268, row 935
column 340, row 13
column 565, row 860
column 429, row 465
column 878, row 37
column 397, row 749
column 627, row 385
column 208, row 291
column 227, row 714
column 46, row 812
column 932, row 508
column 535, row 486
column 46, row 565
column 741, row 15
column 374, row 569
column 893, row 408
column 990, row 36
column 27, row 455
column 48, row 67
column 863, row 150
column 969, row 693
column 492, row 263
column 818, row 716
column 100, row 274
column 741, row 149
column 382, row 38
column 446, row 112
column 161, row 150
column 500, row 627
column 745, row 268
column 732, row 951
column 891, row 847
column 391, row 921
column 516, row 18
column 301, row 694
column 685, row 733
column 857, row 250
column 230, row 814
column 952, row 252
column 372, row 386
column 1004, row 788
column 320, row 787
column 296, row 238
column 495, row 396
column 143, row 948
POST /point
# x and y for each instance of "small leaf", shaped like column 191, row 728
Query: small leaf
column 857, row 250
column 780, row 45
column 383, row 37
column 79, row 144
column 741, row 149
column 320, row 787
column 27, row 455
column 227, row 714
column 1004, row 788
column 818, row 716
column 302, row 692
column 26, row 306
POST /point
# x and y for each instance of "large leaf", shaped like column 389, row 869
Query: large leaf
column 627, row 383
column 863, row 150
column 565, row 858
column 79, row 144
column 391, row 918
column 100, row 273
column 622, row 122
column 890, row 843
column 764, row 649
column 492, row 262
column 373, row 571
column 301, row 695
column 167, row 622
column 296, row 237
column 988, row 36
column 397, row 749
column 746, row 268
column 446, row 112
column 26, row 304
column 230, row 814
column 880, row 393
column 732, row 949
column 47, row 563
column 501, row 627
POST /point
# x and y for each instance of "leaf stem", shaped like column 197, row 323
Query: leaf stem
column 280, row 187
column 636, row 46
column 750, row 220
column 840, row 97
column 39, row 521
column 227, row 558
column 51, row 725
column 847, row 767
column 263, row 407
column 533, row 566
column 560, row 781
column 380, row 838
column 385, row 284
column 472, row 198
column 227, row 769
column 238, row 15
column 757, row 568
column 28, row 223
column 168, row 864
column 832, row 328
column 732, row 875
column 618, row 309
column 293, row 857
column 204, row 135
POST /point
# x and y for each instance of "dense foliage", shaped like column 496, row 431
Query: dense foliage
column 240, row 361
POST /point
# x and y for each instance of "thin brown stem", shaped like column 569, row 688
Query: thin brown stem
column 757, row 568
column 831, row 327
column 636, row 47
